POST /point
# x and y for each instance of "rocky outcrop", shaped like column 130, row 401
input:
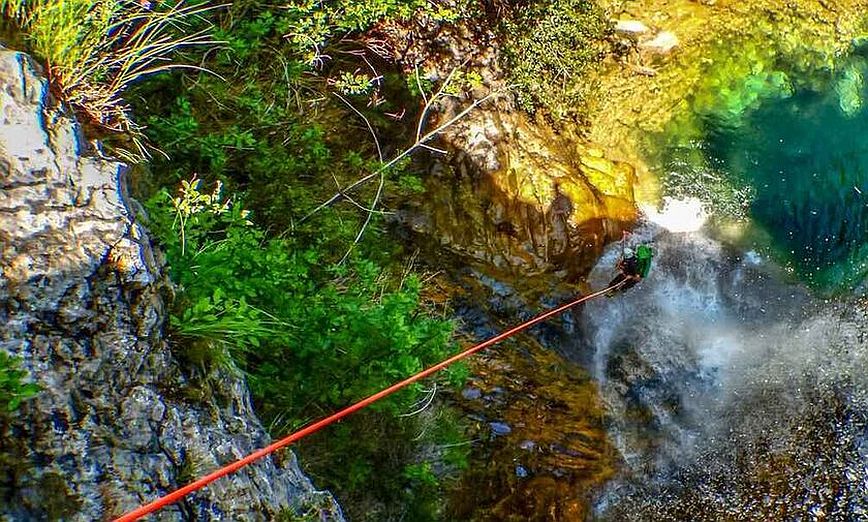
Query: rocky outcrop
column 522, row 198
column 517, row 193
column 82, row 303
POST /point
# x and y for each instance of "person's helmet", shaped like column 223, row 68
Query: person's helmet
column 644, row 252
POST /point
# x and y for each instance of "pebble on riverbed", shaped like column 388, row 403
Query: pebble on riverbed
column 471, row 394
column 527, row 445
column 500, row 428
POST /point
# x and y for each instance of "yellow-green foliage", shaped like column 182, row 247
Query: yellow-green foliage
column 62, row 32
column 13, row 386
column 94, row 49
column 549, row 46
column 11, row 8
column 312, row 24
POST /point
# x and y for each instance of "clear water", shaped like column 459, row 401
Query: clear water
column 805, row 159
column 736, row 394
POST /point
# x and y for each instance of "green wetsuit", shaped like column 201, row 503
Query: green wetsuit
column 644, row 255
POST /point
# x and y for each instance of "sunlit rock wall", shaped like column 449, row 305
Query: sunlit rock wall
column 82, row 303
column 521, row 197
column 514, row 193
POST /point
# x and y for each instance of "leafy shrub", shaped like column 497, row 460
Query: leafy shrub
column 353, row 84
column 301, row 330
column 385, row 478
column 549, row 46
column 310, row 336
column 312, row 24
column 13, row 388
column 265, row 292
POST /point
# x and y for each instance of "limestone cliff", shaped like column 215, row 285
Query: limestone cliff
column 82, row 303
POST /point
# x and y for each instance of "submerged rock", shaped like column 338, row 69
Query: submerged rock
column 849, row 88
column 471, row 393
column 82, row 303
column 557, row 433
column 500, row 428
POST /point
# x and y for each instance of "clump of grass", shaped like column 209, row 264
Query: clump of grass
column 94, row 49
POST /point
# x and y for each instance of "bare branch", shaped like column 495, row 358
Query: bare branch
column 424, row 406
column 438, row 94
column 432, row 149
column 421, row 141
column 367, row 218
column 366, row 209
column 368, row 123
column 419, row 84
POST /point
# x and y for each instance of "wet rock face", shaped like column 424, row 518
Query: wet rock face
column 82, row 304
column 521, row 198
column 518, row 194
column 542, row 448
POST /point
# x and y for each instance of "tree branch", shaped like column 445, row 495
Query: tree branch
column 391, row 163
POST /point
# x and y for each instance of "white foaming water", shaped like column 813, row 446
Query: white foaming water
column 677, row 215
column 711, row 371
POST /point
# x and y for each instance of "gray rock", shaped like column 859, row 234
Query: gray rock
column 500, row 428
column 663, row 43
column 471, row 393
column 82, row 304
column 527, row 445
column 631, row 27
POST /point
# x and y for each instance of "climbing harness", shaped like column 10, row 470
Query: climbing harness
column 320, row 424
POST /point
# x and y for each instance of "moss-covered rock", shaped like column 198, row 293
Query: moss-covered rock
column 82, row 306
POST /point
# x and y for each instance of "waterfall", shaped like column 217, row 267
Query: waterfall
column 732, row 393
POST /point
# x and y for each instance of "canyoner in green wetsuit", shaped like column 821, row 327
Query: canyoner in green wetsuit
column 633, row 267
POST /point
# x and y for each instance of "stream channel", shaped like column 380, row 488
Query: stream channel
column 729, row 385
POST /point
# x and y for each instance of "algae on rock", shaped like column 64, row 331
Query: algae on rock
column 730, row 54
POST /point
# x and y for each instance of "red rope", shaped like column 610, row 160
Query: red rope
column 320, row 424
